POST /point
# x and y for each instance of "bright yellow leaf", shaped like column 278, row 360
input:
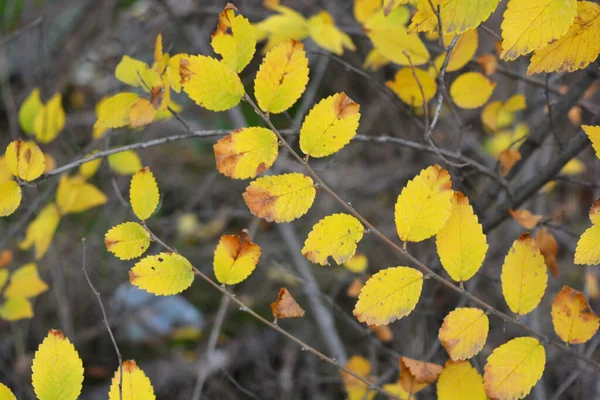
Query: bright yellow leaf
column 10, row 197
column 424, row 205
column 235, row 258
column 25, row 282
column 464, row 332
column 25, row 160
column 282, row 77
column 588, row 246
column 246, row 153
column 390, row 38
column 41, row 230
column 356, row 389
column 287, row 24
column 57, row 369
column 136, row 385
column 334, row 236
column 75, row 195
column 457, row 16
column 357, row 263
column 573, row 319
column 411, row 89
column 323, row 31
column 113, row 112
column 234, row 39
column 389, row 295
column 460, row 381
column 574, row 167
column 143, row 194
column 163, row 274
column 125, row 163
column 574, row 50
column 463, row 52
column 127, row 240
column 514, row 368
column 173, row 72
column 29, row 109
column 16, row 308
column 593, row 133
column 524, row 276
column 461, row 243
column 136, row 73
column 329, row 125
column 280, row 198
column 50, row 120
column 5, row 174
column 471, row 90
column 529, row 25
column 6, row 393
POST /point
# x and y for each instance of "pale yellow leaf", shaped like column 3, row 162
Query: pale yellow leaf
column 50, row 120
column 29, row 109
column 462, row 53
column 323, row 31
column 357, row 263
column 125, row 163
column 136, row 73
column 16, row 308
column 287, row 24
column 234, row 39
column 75, row 195
column 25, row 282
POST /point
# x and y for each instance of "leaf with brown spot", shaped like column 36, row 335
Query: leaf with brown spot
column 573, row 319
column 415, row 375
column 285, row 306
column 525, row 218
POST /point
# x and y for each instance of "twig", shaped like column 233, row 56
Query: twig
column 104, row 319
column 575, row 374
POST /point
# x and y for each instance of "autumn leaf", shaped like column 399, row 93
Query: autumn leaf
column 588, row 246
column 163, row 274
column 526, row 218
column 411, row 89
column 498, row 115
column 323, row 31
column 41, row 230
column 508, row 158
column 286, row 306
column 383, row 332
column 364, row 9
column 593, row 133
column 127, row 240
column 25, row 282
column 113, row 112
column 471, row 90
column 460, row 381
column 457, row 16
column 334, row 236
column 25, row 160
column 234, row 39
column 279, row 28
column 143, row 194
column 514, row 368
column 16, row 308
column 464, row 332
column 416, row 375
column 75, row 195
column 89, row 169
column 6, row 393
column 29, row 109
column 488, row 64
column 548, row 246
column 462, row 53
column 357, row 263
column 136, row 384
column 50, row 120
column 375, row 61
column 10, row 197
column 235, row 258
column 125, row 163
column 573, row 319
column 356, row 389
column 389, row 295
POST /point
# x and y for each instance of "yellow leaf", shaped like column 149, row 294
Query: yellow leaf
column 593, row 133
column 235, row 258
column 234, row 39
column 141, row 113
column 57, row 369
column 143, row 194
column 282, row 77
column 246, row 153
column 460, row 381
column 210, row 83
column 279, row 28
column 574, row 50
column 573, row 319
column 411, row 89
column 89, row 169
column 6, row 393
column 514, row 368
column 357, row 263
column 25, row 282
column 389, row 295
column 50, row 120
column 29, row 109
column 365, row 9
column 524, row 276
column 529, row 25
column 113, row 112
column 323, row 31
column 356, row 389
column 573, row 167
column 329, row 125
column 334, row 236
column 174, row 72
column 375, row 60
column 25, row 160
column 463, row 52
column 464, row 332
column 163, row 274
column 505, row 139
column 424, row 205
column 125, row 162
column 457, row 16
column 461, row 243
column 280, row 198
column 471, row 90
column 5, row 174
column 136, row 385
column 10, row 197
column 390, row 38
column 128, row 240
column 16, row 308
column 75, row 195
column 397, row 390
column 415, row 375
column 41, row 230
column 588, row 246
column 136, row 73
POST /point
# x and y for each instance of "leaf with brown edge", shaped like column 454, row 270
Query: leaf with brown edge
column 508, row 158
column 573, row 319
column 235, row 258
column 464, row 332
column 525, row 218
column 415, row 375
column 548, row 246
column 286, row 306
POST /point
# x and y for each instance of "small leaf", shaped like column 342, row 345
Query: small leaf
column 235, row 258
column 125, row 163
column 548, row 246
column 57, row 369
column 356, row 389
column 416, row 375
column 573, row 319
column 285, row 25
column 411, row 89
column 323, row 32
column 383, row 332
column 460, row 381
column 471, row 90
column 25, row 160
column 593, row 133
column 127, row 240
column 136, row 385
column 508, row 158
column 89, row 169
column 234, row 39
column 526, row 218
column 25, row 282
column 286, row 306
column 10, row 197
column 514, row 368
column 334, row 236
column 143, row 194
column 282, row 77
column 41, row 230
column 280, row 198
column 357, row 263
column 50, row 120
column 464, row 332
column 75, row 195
column 16, row 308
column 141, row 113
column 389, row 295
column 29, row 109
column 163, row 274
column 246, row 153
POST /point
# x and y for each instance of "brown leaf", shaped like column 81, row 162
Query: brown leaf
column 575, row 115
column 6, row 257
column 488, row 63
column 355, row 288
column 285, row 306
column 383, row 332
column 548, row 246
column 526, row 218
column 507, row 159
column 415, row 375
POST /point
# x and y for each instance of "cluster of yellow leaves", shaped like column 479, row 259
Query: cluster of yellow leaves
column 42, row 121
column 588, row 246
column 23, row 284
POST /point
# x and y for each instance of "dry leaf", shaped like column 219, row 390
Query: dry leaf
column 548, row 246
column 508, row 159
column 355, row 288
column 525, row 218
column 383, row 332
column 488, row 63
column 415, row 375
column 285, row 306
